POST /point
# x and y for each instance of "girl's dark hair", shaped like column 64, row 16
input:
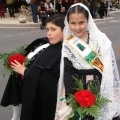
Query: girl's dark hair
column 56, row 19
column 78, row 9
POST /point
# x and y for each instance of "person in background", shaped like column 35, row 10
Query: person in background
column 59, row 7
column 94, row 8
column 5, row 5
column 102, row 10
column 16, row 6
column 10, row 5
column 42, row 14
column 34, row 5
column 49, row 7
column 106, row 8
column 66, row 5
column 73, row 2
column 41, row 76
column 81, row 38
column 41, row 7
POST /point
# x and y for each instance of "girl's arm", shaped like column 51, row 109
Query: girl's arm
column 69, row 72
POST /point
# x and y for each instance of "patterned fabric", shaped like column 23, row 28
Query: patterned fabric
column 110, row 84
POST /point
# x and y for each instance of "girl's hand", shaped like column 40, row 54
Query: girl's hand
column 17, row 67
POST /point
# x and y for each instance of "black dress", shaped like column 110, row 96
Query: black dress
column 40, row 85
column 80, row 74
column 13, row 91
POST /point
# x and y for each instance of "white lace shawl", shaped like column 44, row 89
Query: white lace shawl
column 110, row 84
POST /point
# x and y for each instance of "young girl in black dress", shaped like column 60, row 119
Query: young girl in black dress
column 82, row 41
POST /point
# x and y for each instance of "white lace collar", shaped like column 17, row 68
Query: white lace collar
column 76, row 59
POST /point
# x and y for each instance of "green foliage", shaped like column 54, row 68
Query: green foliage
column 21, row 50
column 4, row 57
column 27, row 61
column 78, row 84
column 93, row 87
column 94, row 110
column 72, row 114
column 118, row 6
column 101, row 101
column 72, row 102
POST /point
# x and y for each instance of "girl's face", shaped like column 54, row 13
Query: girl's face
column 54, row 33
column 78, row 24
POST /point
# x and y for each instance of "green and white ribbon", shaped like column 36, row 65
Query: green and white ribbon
column 86, row 52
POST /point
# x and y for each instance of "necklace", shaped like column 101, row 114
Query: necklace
column 87, row 38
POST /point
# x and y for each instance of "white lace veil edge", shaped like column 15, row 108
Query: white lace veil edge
column 110, row 86
column 92, row 28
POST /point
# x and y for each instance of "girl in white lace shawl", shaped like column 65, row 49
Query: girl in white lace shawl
column 110, row 83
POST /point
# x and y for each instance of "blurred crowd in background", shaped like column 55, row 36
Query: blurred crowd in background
column 45, row 8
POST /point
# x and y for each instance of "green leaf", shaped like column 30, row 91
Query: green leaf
column 71, row 115
column 93, row 86
column 80, row 112
column 5, row 56
column 93, row 111
column 78, row 84
column 101, row 101
column 73, row 102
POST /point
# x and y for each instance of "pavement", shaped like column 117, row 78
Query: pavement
column 9, row 22
column 14, row 22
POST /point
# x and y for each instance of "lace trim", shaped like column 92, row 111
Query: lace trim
column 77, row 60
column 110, row 85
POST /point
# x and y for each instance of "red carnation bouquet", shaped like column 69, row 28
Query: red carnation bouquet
column 7, row 58
column 19, row 57
column 85, row 98
column 85, row 103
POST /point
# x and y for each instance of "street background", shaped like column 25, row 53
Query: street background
column 11, row 38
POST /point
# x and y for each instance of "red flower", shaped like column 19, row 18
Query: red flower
column 20, row 58
column 85, row 98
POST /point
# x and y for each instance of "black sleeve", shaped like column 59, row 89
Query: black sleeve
column 26, row 72
column 69, row 72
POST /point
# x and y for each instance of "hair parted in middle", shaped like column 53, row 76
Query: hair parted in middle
column 77, row 9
